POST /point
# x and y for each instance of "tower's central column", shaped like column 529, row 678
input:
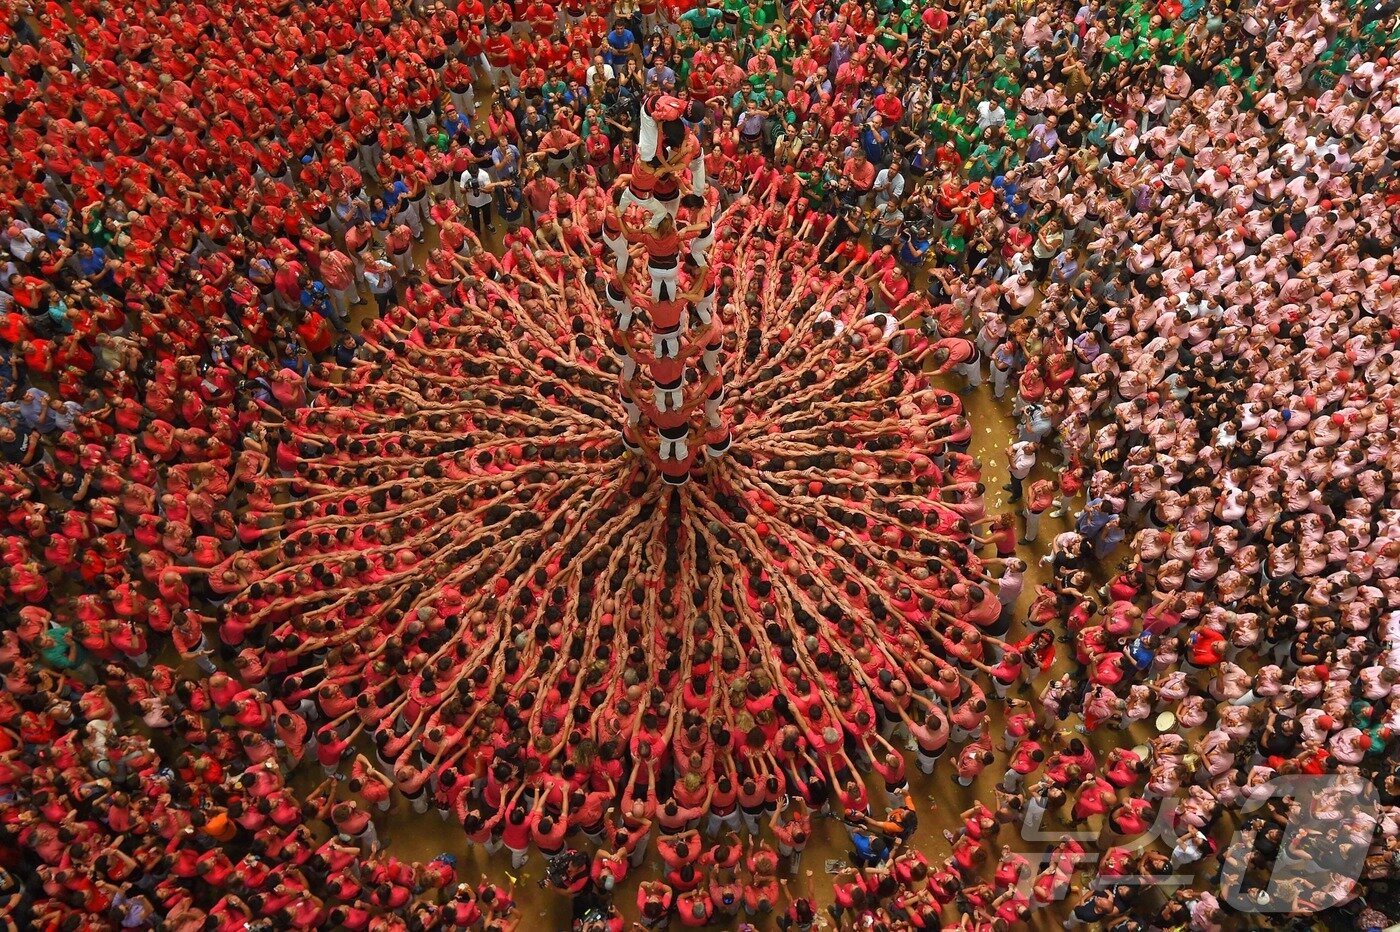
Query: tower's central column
column 667, row 332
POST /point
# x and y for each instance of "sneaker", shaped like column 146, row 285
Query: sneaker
column 1057, row 513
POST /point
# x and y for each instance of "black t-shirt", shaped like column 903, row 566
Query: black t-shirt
column 482, row 150
column 512, row 203
column 17, row 450
column 68, row 487
column 532, row 130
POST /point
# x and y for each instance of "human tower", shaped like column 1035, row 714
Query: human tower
column 660, row 330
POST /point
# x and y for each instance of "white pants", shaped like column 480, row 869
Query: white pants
column 712, row 409
column 698, row 183
column 710, row 361
column 369, row 156
column 713, row 823
column 639, row 853
column 619, row 251
column 465, row 102
column 499, row 76
column 669, row 399
column 634, row 413
column 666, row 345
column 895, row 797
column 623, row 310
column 412, row 215
column 999, row 380
column 959, row 735
column 343, row 298
column 704, row 308
column 648, row 137
column 674, row 449
column 651, row 205
column 700, row 247
column 1032, row 524
column 629, row 366
column 669, row 278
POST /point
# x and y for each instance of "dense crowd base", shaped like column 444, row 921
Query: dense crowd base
column 241, row 535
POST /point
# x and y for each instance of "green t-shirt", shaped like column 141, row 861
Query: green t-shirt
column 986, row 161
column 702, row 20
column 772, row 42
column 950, row 126
column 1374, row 35
column 752, row 21
column 96, row 231
column 1117, row 50
column 1228, row 73
column 894, row 32
column 56, row 654
column 1008, row 86
column 1171, row 42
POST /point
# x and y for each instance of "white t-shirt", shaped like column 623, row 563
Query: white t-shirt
column 889, row 184
column 477, row 196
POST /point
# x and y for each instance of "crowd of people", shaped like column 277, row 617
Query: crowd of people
column 243, row 531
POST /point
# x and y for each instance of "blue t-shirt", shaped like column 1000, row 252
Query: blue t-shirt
column 865, row 848
column 454, row 123
column 622, row 41
column 395, row 193
column 873, row 142
column 314, row 297
column 912, row 246
column 91, row 265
